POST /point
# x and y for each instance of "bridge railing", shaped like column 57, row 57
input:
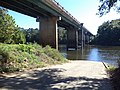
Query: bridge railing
column 62, row 8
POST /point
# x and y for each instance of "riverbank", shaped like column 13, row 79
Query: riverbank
column 75, row 75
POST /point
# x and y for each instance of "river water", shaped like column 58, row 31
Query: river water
column 108, row 54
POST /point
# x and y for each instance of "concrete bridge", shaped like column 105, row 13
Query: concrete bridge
column 50, row 15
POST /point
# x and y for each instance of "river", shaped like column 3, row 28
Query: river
column 108, row 54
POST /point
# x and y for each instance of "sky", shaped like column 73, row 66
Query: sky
column 83, row 10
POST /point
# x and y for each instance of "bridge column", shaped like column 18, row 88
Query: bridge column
column 48, row 33
column 79, row 37
column 84, row 38
column 87, row 39
column 72, row 39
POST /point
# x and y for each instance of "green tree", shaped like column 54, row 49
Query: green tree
column 62, row 35
column 9, row 31
column 106, row 5
column 31, row 35
column 108, row 33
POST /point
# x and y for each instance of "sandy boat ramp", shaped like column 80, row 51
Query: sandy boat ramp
column 74, row 75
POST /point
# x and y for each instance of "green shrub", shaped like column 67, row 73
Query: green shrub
column 53, row 53
column 111, row 68
column 15, row 57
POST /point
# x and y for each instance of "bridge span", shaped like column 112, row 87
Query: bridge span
column 50, row 14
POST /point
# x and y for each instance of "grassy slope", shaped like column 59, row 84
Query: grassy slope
column 17, row 57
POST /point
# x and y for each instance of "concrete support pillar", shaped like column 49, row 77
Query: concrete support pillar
column 91, row 38
column 48, row 33
column 84, row 38
column 87, row 39
column 79, row 37
column 82, row 35
column 72, row 38
column 76, row 39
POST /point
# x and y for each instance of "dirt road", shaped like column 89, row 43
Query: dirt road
column 75, row 75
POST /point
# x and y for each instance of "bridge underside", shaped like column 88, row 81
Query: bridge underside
column 27, row 7
column 48, row 19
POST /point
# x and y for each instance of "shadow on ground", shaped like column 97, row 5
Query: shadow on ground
column 49, row 79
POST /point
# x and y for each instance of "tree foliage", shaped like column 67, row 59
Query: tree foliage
column 106, row 5
column 9, row 31
column 62, row 36
column 31, row 35
column 108, row 33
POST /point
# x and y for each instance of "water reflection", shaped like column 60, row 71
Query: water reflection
column 93, row 53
